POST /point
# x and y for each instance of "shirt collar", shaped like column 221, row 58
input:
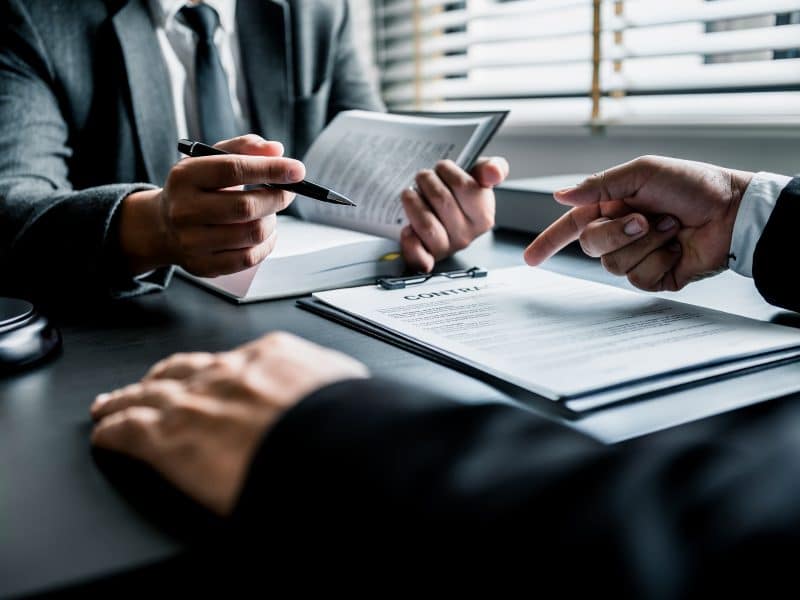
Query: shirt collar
column 164, row 12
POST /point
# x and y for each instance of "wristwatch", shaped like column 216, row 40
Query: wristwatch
column 26, row 336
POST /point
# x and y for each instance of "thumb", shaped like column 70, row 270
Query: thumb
column 251, row 144
column 490, row 171
column 616, row 183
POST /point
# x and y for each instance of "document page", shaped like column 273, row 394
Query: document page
column 562, row 337
column 371, row 157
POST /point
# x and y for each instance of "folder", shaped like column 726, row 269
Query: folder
column 565, row 345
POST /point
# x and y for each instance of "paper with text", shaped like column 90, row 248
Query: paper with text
column 372, row 157
column 559, row 336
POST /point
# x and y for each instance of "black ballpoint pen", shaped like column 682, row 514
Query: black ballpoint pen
column 304, row 188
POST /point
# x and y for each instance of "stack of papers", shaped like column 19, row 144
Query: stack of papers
column 576, row 342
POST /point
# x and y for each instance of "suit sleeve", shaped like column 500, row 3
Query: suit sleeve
column 776, row 252
column 381, row 463
column 352, row 85
column 52, row 237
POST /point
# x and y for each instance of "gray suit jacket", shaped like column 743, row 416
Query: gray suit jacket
column 86, row 118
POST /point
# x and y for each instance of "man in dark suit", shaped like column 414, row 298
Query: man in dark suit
column 94, row 95
column 293, row 441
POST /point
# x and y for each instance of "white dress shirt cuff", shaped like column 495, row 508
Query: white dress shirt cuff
column 755, row 209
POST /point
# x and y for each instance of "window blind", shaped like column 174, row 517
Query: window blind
column 594, row 61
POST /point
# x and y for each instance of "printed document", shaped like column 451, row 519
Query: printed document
column 370, row 158
column 566, row 338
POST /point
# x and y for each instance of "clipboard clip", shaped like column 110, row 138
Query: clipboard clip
column 398, row 283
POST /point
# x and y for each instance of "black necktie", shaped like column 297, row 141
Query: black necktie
column 214, row 108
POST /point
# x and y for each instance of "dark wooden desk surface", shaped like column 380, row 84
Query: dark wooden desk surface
column 63, row 518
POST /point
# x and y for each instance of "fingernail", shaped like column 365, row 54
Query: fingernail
column 633, row 227
column 98, row 403
column 294, row 174
column 666, row 224
column 566, row 190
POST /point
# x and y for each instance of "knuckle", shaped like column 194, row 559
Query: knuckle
column 224, row 363
column 646, row 161
column 459, row 241
column 586, row 245
column 611, row 264
column 131, row 429
column 429, row 231
column 407, row 196
column 484, row 222
column 245, row 207
column 258, row 232
column 250, row 257
column 277, row 171
column 178, row 414
column 177, row 174
column 277, row 339
column 636, row 280
column 424, row 176
column 250, row 139
column 441, row 197
column 234, row 170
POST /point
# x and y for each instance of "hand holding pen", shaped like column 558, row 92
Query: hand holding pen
column 202, row 219
column 304, row 188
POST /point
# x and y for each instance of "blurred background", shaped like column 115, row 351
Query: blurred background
column 591, row 83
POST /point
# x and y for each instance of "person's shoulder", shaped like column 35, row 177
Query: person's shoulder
column 59, row 30
column 62, row 19
column 40, row 11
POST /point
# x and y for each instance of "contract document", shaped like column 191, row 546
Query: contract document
column 567, row 339
column 370, row 158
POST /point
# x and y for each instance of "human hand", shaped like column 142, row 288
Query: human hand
column 198, row 418
column 202, row 219
column 448, row 209
column 662, row 222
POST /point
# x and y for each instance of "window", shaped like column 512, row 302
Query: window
column 599, row 62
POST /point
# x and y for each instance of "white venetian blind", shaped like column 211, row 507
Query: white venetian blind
column 594, row 61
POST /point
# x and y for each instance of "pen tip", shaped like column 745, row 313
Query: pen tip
column 339, row 199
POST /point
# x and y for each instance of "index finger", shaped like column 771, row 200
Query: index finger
column 565, row 230
column 568, row 228
column 216, row 172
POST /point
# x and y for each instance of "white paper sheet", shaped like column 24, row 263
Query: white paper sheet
column 565, row 338
column 372, row 157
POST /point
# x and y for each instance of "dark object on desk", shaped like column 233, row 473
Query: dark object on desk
column 26, row 337
column 528, row 205
column 304, row 188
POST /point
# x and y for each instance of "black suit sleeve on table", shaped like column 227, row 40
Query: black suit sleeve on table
column 381, row 462
column 778, row 251
column 52, row 236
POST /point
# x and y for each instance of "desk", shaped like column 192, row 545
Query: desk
column 61, row 519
